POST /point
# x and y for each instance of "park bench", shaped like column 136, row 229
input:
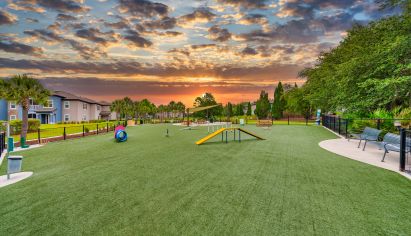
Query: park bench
column 264, row 123
column 369, row 134
column 392, row 142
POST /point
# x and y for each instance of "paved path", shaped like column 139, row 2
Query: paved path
column 372, row 154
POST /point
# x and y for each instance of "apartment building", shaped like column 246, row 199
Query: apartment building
column 60, row 107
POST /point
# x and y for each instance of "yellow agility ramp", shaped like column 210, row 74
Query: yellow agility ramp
column 210, row 136
column 220, row 131
column 251, row 134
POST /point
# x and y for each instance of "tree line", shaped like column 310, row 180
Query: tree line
column 126, row 108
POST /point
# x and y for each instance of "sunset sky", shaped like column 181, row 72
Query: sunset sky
column 171, row 49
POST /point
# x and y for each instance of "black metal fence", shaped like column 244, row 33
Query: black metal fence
column 46, row 135
column 405, row 150
column 336, row 124
column 345, row 126
column 2, row 142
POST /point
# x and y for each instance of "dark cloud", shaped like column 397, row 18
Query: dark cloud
column 294, row 31
column 83, row 50
column 76, row 26
column 254, row 19
column 201, row 46
column 136, row 40
column 16, row 47
column 117, row 25
column 45, row 35
column 200, row 14
column 54, row 27
column 31, row 20
column 182, row 51
column 7, row 18
column 143, row 8
column 57, row 5
column 219, row 34
column 245, row 3
column 249, row 51
column 65, row 17
column 163, row 23
column 172, row 33
column 96, row 36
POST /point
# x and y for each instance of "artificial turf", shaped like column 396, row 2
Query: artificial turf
column 157, row 185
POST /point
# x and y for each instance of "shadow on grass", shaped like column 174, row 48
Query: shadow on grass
column 230, row 141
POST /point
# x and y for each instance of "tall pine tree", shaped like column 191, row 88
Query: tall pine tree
column 279, row 104
column 263, row 106
column 249, row 112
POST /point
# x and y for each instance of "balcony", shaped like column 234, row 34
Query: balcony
column 35, row 107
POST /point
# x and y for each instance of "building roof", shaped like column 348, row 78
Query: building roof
column 70, row 96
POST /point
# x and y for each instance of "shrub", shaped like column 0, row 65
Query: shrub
column 357, row 126
column 16, row 125
column 86, row 130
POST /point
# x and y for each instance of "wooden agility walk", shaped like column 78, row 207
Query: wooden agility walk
column 222, row 130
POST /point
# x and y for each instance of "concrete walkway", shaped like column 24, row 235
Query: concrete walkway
column 372, row 154
column 14, row 178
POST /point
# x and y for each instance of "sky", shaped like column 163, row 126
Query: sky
column 167, row 50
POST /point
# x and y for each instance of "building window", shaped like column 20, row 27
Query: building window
column 49, row 104
column 98, row 107
column 66, row 117
column 32, row 116
column 84, row 117
column 84, row 106
column 66, row 105
column 12, row 117
column 13, row 105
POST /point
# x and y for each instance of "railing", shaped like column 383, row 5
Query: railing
column 2, row 142
column 35, row 107
column 405, row 150
column 344, row 126
column 336, row 124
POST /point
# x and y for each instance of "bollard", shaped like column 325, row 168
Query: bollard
column 10, row 144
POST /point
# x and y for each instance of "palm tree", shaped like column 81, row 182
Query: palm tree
column 21, row 89
column 117, row 106
column 136, row 109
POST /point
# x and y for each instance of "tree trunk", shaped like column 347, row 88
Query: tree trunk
column 25, row 121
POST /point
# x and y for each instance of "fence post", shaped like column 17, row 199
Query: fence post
column 346, row 128
column 97, row 128
column 378, row 123
column 107, row 127
column 306, row 121
column 288, row 119
column 402, row 149
column 64, row 133
column 339, row 125
column 38, row 135
column 83, row 130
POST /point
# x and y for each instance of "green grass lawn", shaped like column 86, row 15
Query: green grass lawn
column 53, row 130
column 154, row 185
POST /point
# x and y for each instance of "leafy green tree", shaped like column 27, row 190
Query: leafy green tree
column 369, row 69
column 262, row 109
column 21, row 89
column 279, row 103
column 297, row 103
column 229, row 110
column 207, row 100
column 249, row 111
